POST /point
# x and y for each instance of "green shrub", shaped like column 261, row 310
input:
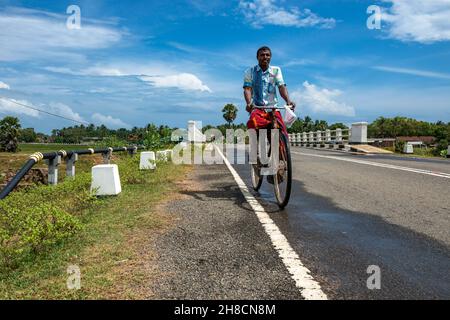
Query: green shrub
column 441, row 146
column 399, row 145
column 32, row 220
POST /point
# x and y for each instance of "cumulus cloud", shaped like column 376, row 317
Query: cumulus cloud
column 184, row 81
column 267, row 12
column 63, row 110
column 418, row 20
column 109, row 121
column 30, row 34
column 12, row 106
column 4, row 86
column 322, row 101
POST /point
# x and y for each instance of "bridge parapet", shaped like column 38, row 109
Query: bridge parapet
column 357, row 134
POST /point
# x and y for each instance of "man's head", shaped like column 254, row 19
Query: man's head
column 264, row 54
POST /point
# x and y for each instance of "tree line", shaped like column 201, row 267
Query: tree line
column 151, row 135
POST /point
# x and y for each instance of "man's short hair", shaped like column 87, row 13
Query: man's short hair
column 263, row 49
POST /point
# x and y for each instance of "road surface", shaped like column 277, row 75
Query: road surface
column 347, row 212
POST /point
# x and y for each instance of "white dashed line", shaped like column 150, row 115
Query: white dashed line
column 309, row 288
column 378, row 164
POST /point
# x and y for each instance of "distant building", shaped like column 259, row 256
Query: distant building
column 417, row 140
column 90, row 140
column 382, row 142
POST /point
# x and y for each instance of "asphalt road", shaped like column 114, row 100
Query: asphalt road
column 345, row 216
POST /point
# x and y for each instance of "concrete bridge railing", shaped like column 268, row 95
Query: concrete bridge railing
column 357, row 134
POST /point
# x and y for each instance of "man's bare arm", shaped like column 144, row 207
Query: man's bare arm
column 248, row 97
column 285, row 95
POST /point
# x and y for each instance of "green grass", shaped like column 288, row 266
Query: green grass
column 109, row 247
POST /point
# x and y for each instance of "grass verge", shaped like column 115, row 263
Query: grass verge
column 109, row 247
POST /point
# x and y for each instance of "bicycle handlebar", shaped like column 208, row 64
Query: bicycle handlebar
column 273, row 108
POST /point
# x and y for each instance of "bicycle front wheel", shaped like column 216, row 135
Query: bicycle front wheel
column 257, row 178
column 283, row 177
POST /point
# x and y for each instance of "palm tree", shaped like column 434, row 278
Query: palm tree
column 9, row 134
column 229, row 113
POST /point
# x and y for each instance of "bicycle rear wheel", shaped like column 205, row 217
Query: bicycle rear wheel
column 283, row 178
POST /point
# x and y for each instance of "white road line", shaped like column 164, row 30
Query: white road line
column 378, row 164
column 309, row 288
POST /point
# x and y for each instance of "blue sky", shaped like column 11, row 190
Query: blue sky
column 136, row 62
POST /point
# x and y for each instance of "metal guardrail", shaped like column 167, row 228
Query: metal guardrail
column 53, row 159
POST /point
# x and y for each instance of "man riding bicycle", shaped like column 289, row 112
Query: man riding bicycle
column 260, row 83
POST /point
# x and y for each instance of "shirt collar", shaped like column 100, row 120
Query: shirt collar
column 269, row 69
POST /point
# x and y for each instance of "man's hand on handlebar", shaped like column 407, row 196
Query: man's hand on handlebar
column 250, row 107
column 291, row 104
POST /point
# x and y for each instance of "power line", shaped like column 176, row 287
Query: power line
column 46, row 112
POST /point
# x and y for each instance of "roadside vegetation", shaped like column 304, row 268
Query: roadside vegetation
column 45, row 229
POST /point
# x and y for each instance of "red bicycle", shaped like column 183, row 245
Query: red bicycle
column 282, row 172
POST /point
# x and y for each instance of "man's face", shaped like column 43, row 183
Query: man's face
column 264, row 59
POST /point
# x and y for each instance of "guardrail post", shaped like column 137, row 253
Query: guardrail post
column 304, row 138
column 70, row 165
column 339, row 135
column 299, row 139
column 133, row 151
column 53, row 169
column 107, row 156
column 328, row 136
column 448, row 152
column 311, row 138
column 319, row 138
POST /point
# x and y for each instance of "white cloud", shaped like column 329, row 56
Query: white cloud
column 10, row 106
column 30, row 34
column 418, row 20
column 109, row 121
column 184, row 81
column 267, row 12
column 414, row 72
column 4, row 86
column 322, row 101
column 154, row 75
column 63, row 110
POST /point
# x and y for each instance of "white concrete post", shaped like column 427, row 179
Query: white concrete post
column 106, row 180
column 299, row 139
column 359, row 133
column 305, row 138
column 319, row 136
column 339, row 135
column 311, row 137
column 328, row 136
column 147, row 161
column 448, row 152
column 70, row 165
column 408, row 148
column 107, row 156
column 53, row 170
